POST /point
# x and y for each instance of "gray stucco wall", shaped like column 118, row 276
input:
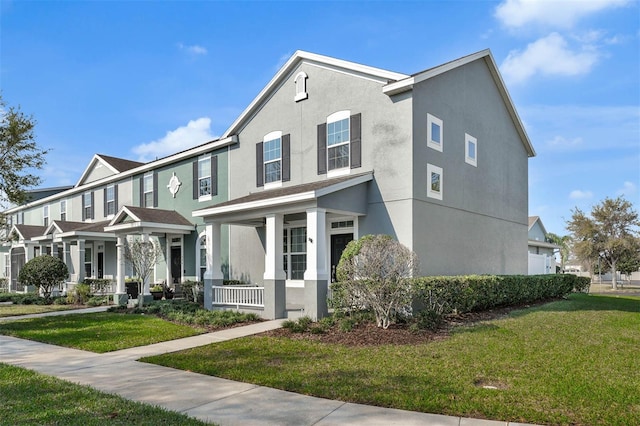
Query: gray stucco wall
column 480, row 226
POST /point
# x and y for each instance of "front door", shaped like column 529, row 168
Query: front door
column 338, row 244
column 100, row 264
column 176, row 264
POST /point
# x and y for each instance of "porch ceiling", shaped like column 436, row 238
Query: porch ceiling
column 344, row 195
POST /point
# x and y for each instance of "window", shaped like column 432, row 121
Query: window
column 434, row 132
column 202, row 256
column 87, row 262
column 301, row 86
column 342, row 224
column 434, row 174
column 148, row 191
column 339, row 143
column 204, row 177
column 87, row 205
column 110, row 203
column 63, row 210
column 470, row 150
column 272, row 156
column 295, row 252
column 45, row 215
column 7, row 265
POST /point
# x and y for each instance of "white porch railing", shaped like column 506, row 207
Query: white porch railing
column 238, row 296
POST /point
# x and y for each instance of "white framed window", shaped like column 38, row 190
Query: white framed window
column 301, row 86
column 87, row 205
column 434, row 182
column 435, row 134
column 470, row 150
column 110, row 199
column 45, row 215
column 272, row 158
column 338, row 141
column 204, row 177
column 63, row 210
column 88, row 262
column 7, row 265
column 201, row 255
column 295, row 252
column 148, row 190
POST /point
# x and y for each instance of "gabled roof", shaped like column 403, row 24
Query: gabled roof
column 407, row 84
column 27, row 232
column 363, row 71
column 63, row 228
column 145, row 220
column 533, row 220
column 113, row 164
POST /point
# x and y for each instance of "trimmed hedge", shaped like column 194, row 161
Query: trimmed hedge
column 482, row 292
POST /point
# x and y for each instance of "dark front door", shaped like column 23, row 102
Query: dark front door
column 100, row 265
column 176, row 264
column 338, row 244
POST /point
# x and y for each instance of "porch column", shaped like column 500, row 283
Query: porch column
column 275, row 297
column 316, row 277
column 213, row 275
column 120, row 297
column 54, row 249
column 66, row 257
column 80, row 261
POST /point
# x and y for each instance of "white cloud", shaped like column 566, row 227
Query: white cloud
column 196, row 132
column 548, row 56
column 562, row 142
column 194, row 50
column 557, row 14
column 628, row 188
column 578, row 194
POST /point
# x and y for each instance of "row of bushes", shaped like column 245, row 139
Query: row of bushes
column 482, row 292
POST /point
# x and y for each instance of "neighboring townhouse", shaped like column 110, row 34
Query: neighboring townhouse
column 328, row 151
column 542, row 259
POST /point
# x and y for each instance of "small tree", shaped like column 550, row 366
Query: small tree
column 142, row 254
column 44, row 272
column 375, row 273
column 630, row 262
column 564, row 243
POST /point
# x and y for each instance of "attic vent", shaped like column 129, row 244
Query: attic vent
column 301, row 86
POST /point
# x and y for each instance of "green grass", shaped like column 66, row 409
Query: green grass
column 30, row 398
column 567, row 362
column 99, row 332
column 11, row 310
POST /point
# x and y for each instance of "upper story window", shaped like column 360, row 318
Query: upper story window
column 301, row 86
column 470, row 150
column 45, row 215
column 63, row 210
column 19, row 218
column 110, row 200
column 339, row 143
column 434, row 175
column 87, row 205
column 434, row 132
column 149, row 190
column 273, row 160
column 205, row 177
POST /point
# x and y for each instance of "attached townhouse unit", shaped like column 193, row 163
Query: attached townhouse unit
column 328, row 151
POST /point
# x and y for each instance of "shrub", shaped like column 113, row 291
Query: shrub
column 45, row 272
column 98, row 301
column 79, row 295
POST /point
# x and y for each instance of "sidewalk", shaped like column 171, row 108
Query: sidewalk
column 207, row 398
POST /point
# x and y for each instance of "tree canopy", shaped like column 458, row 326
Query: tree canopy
column 19, row 154
column 44, row 272
column 609, row 233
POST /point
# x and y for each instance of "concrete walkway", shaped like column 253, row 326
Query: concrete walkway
column 207, row 398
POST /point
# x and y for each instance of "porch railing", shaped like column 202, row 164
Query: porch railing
column 238, row 296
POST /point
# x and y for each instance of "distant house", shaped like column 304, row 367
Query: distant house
column 328, row 151
column 542, row 258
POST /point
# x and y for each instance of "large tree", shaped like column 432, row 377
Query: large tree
column 19, row 155
column 608, row 234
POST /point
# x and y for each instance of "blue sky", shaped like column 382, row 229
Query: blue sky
column 140, row 79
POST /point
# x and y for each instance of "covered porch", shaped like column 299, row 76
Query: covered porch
column 304, row 228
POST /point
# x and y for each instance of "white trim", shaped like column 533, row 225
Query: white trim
column 300, row 82
column 431, row 169
column 343, row 171
column 431, row 120
column 340, row 115
column 468, row 139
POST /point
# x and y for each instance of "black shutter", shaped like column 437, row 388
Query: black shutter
column 259, row 165
column 93, row 205
column 322, row 148
column 84, row 213
column 115, row 198
column 356, row 141
column 196, row 189
column 155, row 189
column 286, row 158
column 142, row 191
column 104, row 193
column 214, row 175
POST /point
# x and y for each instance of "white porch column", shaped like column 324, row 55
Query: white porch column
column 213, row 275
column 54, row 249
column 80, row 273
column 120, row 297
column 316, row 276
column 274, row 278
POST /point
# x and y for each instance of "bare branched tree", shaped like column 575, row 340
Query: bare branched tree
column 143, row 255
column 375, row 273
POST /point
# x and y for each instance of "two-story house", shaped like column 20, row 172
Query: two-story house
column 328, row 151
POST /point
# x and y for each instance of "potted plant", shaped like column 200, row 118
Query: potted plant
column 157, row 292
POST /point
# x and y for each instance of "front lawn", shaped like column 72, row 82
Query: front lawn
column 30, row 398
column 566, row 362
column 12, row 310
